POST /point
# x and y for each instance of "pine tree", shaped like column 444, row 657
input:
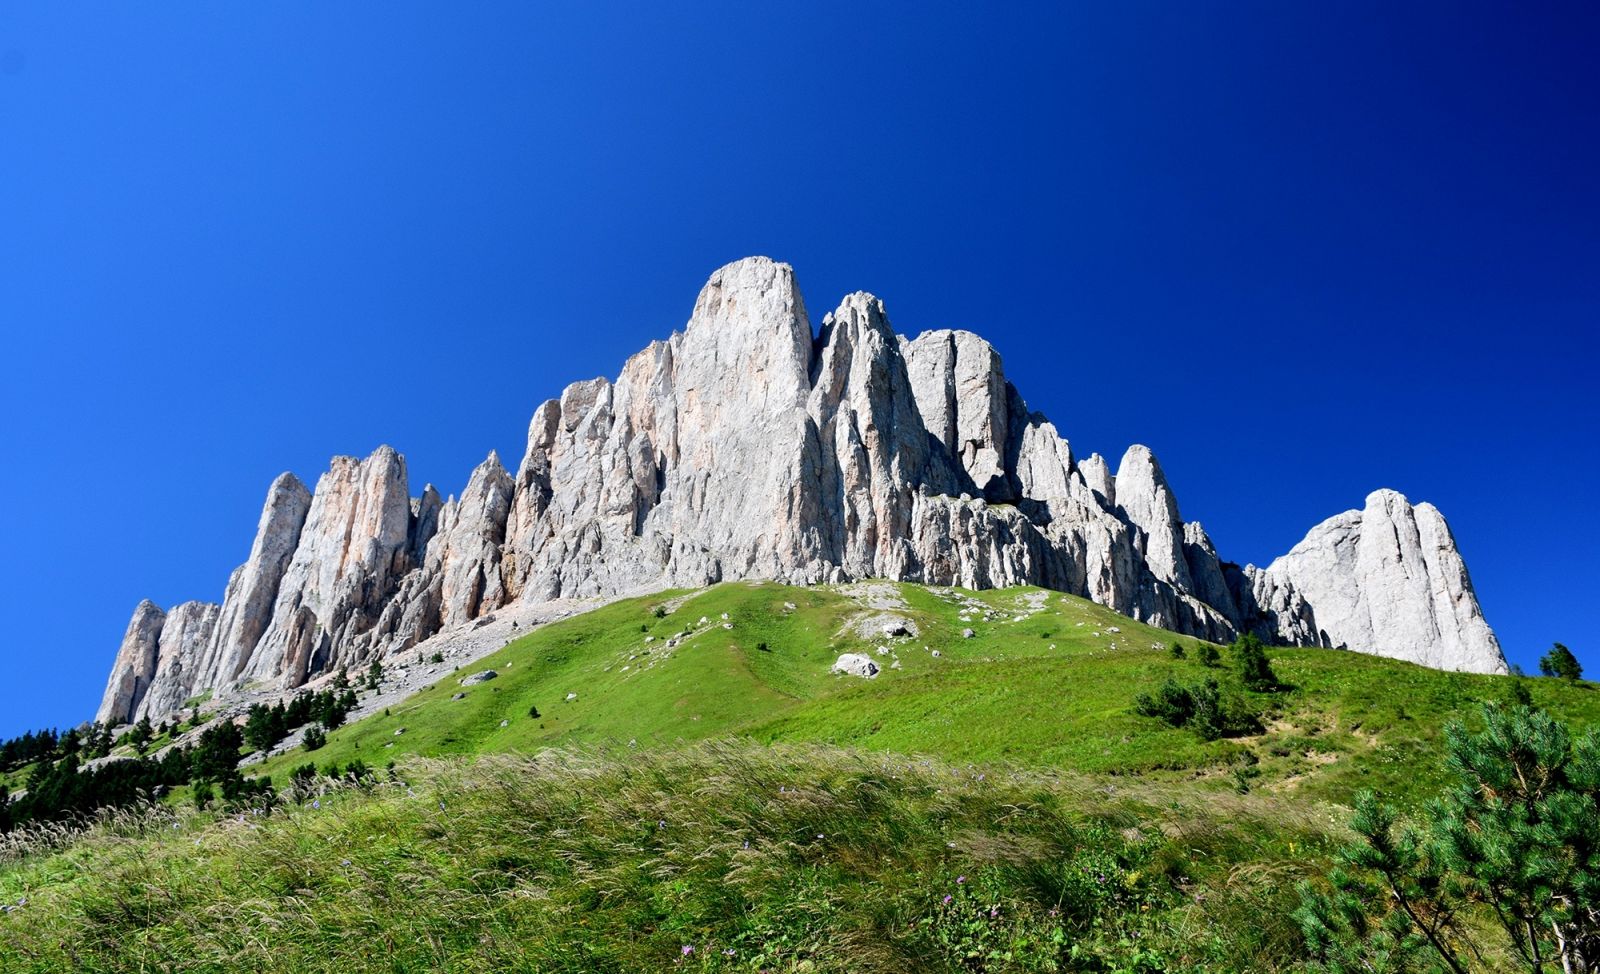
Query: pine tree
column 1251, row 658
column 1519, row 831
column 1560, row 662
column 1522, row 828
column 141, row 735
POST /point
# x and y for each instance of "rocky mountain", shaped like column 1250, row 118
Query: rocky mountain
column 750, row 446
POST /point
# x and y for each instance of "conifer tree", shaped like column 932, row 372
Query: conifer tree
column 1519, row 831
column 1251, row 658
column 1560, row 662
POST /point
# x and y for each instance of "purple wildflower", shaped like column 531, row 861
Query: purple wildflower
column 316, row 803
column 687, row 950
column 947, row 899
column 960, row 880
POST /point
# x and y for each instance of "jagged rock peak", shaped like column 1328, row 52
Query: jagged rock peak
column 252, row 592
column 135, row 665
column 744, row 446
column 1143, row 494
column 1388, row 579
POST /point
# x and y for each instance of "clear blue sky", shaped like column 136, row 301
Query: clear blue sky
column 1300, row 253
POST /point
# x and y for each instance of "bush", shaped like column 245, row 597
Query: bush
column 1250, row 657
column 1177, row 650
column 660, row 612
column 1202, row 707
column 315, row 737
column 436, row 658
column 1207, row 654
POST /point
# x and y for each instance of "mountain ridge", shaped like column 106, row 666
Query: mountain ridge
column 750, row 446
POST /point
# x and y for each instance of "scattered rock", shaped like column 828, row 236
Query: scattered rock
column 967, row 634
column 481, row 677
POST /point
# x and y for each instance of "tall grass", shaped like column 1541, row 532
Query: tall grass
column 721, row 856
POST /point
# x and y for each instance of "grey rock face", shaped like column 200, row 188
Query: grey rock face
column 351, row 554
column 746, row 447
column 1147, row 501
column 1389, row 580
column 135, row 666
column 961, row 392
column 252, row 593
column 186, row 637
column 465, row 551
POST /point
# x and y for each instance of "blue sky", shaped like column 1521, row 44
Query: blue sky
column 1300, row 253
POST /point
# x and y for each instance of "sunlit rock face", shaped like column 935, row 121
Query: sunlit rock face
column 754, row 445
column 1387, row 579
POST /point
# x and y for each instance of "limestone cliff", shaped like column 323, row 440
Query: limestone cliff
column 750, row 445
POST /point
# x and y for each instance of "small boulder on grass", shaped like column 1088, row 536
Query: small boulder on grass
column 856, row 664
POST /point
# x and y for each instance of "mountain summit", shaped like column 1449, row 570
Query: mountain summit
column 749, row 446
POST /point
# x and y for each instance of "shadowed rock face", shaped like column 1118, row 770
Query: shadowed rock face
column 748, row 447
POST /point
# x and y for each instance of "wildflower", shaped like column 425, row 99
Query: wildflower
column 960, row 880
column 687, row 950
column 947, row 899
column 661, row 824
column 994, row 911
column 819, row 835
column 728, row 953
column 316, row 803
column 344, row 862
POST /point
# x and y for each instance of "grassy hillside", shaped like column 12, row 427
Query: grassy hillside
column 727, row 793
column 1043, row 682
column 715, row 857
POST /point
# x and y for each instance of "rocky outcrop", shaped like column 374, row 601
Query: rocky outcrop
column 748, row 447
column 252, row 593
column 135, row 666
column 1388, row 579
